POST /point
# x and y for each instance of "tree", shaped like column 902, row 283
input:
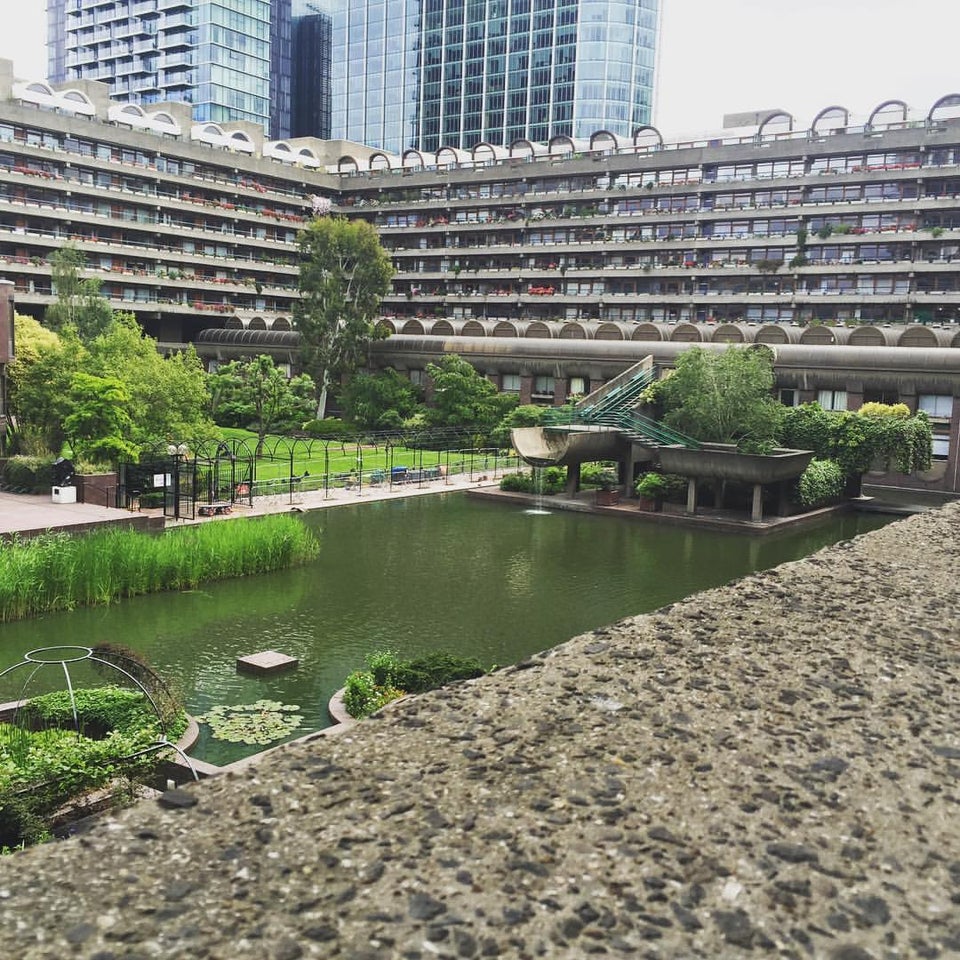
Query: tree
column 721, row 397
column 380, row 401
column 80, row 304
column 526, row 415
column 463, row 398
column 344, row 273
column 255, row 395
column 98, row 426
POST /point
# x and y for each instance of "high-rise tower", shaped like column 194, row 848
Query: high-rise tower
column 431, row 73
column 231, row 59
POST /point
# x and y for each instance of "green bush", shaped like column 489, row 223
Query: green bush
column 362, row 696
column 821, row 483
column 652, row 486
column 551, row 481
column 330, row 427
column 29, row 474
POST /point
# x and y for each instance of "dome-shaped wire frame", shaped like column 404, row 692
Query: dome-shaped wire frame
column 102, row 659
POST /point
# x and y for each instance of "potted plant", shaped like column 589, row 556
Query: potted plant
column 608, row 489
column 651, row 488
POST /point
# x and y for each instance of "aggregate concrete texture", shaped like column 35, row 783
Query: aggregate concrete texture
column 766, row 769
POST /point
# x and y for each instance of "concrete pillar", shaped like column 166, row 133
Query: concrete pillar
column 573, row 479
column 756, row 514
column 854, row 394
column 691, row 495
column 561, row 388
column 526, row 389
column 951, row 479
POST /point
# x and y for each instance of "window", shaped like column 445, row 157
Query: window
column 832, row 399
column 543, row 386
column 788, row 397
column 511, row 383
column 936, row 405
column 941, row 448
column 577, row 386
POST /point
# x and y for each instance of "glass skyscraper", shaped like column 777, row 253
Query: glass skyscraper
column 231, row 59
column 432, row 73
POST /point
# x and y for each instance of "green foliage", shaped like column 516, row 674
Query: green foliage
column 550, row 481
column 28, row 474
column 380, row 401
column 332, row 427
column 858, row 441
column 264, row 721
column 525, row 415
column 45, row 761
column 80, row 306
column 463, row 398
column 388, row 677
column 722, row 397
column 255, row 395
column 821, row 483
column 98, row 423
column 652, row 486
column 60, row 572
column 344, row 273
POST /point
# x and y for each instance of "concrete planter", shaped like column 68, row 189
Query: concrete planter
column 607, row 498
column 724, row 461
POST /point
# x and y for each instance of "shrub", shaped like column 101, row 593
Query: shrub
column 821, row 483
column 362, row 696
column 652, row 486
column 330, row 427
column 29, row 474
column 551, row 481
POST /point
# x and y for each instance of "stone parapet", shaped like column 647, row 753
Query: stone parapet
column 768, row 768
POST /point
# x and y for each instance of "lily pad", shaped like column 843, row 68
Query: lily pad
column 255, row 723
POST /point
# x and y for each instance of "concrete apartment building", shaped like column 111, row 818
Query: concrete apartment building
column 550, row 266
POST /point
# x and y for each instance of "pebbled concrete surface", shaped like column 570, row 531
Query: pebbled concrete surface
column 768, row 769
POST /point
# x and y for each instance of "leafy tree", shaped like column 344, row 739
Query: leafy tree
column 721, row 397
column 255, row 395
column 344, row 273
column 380, row 401
column 98, row 425
column 40, row 376
column 464, row 398
column 526, row 415
column 168, row 395
column 79, row 302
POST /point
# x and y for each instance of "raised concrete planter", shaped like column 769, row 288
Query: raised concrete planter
column 724, row 461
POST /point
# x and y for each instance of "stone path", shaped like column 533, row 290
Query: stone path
column 767, row 769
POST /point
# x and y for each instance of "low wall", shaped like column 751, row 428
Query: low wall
column 765, row 769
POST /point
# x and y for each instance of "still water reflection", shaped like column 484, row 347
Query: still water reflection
column 442, row 572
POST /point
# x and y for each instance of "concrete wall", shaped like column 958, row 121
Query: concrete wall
column 765, row 769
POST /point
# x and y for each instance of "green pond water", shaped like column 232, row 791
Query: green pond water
column 444, row 572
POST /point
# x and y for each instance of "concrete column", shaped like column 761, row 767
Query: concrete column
column 573, row 479
column 756, row 514
column 526, row 389
column 951, row 479
column 691, row 495
column 854, row 394
column 561, row 388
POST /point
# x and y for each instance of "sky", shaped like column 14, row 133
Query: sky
column 727, row 56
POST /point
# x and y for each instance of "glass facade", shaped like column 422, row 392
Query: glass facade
column 231, row 59
column 311, row 75
column 432, row 73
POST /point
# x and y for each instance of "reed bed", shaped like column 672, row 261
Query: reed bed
column 59, row 572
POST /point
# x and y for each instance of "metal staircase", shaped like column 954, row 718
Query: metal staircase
column 613, row 406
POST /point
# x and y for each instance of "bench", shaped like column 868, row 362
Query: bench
column 214, row 509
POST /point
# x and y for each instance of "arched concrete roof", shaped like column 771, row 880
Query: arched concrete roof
column 451, row 156
column 165, row 123
column 573, row 331
column 772, row 333
column 824, row 334
column 388, row 324
column 522, row 147
column 687, row 333
column 604, row 140
column 610, row 331
column 826, row 112
column 648, row 331
column 484, row 152
column 505, row 329
column 729, row 333
column 257, row 323
column 280, row 323
column 413, row 158
column 473, row 328
column 918, row 335
column 347, row 164
column 883, row 107
column 950, row 100
column 562, row 140
column 78, row 102
column 379, row 160
column 870, row 336
column 646, row 128
column 288, row 339
column 412, row 326
column 233, row 323
column 775, row 115
column 441, row 328
column 537, row 328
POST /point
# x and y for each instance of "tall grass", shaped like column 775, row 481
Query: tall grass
column 60, row 572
